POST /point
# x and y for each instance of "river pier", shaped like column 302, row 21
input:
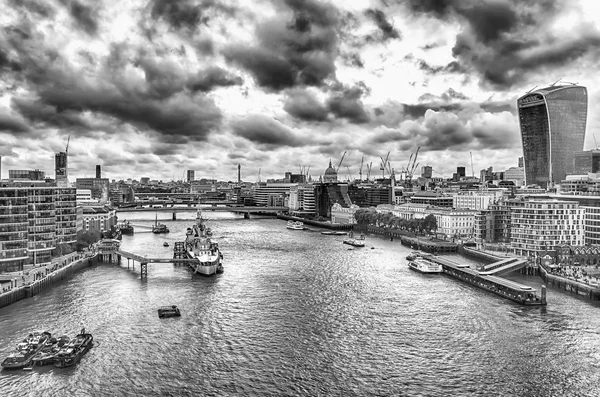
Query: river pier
column 488, row 279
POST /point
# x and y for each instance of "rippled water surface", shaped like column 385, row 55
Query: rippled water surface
column 297, row 313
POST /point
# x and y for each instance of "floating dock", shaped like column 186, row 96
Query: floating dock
column 488, row 279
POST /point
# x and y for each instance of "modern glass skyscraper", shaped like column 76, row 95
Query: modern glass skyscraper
column 552, row 124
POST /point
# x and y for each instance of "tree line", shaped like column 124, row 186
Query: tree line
column 368, row 216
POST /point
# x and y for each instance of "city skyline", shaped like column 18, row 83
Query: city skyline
column 152, row 88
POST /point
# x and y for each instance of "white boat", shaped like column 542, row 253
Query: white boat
column 295, row 225
column 198, row 245
column 355, row 241
column 422, row 265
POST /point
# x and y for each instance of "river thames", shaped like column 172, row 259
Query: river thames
column 297, row 313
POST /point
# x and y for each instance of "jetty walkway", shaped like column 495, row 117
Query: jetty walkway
column 488, row 279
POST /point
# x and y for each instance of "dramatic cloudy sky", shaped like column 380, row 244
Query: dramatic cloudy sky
column 152, row 88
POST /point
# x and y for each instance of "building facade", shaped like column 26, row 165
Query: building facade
column 538, row 226
column 586, row 162
column 343, row 215
column 552, row 122
column 99, row 186
column 14, row 226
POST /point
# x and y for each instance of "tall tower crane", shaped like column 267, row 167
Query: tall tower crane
column 340, row 163
column 361, row 165
column 383, row 165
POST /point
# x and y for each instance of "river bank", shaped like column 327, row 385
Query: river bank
column 35, row 280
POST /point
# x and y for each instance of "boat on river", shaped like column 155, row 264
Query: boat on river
column 49, row 351
column 414, row 255
column 159, row 228
column 355, row 241
column 71, row 353
column 126, row 227
column 199, row 245
column 28, row 348
column 168, row 311
column 422, row 265
column 295, row 225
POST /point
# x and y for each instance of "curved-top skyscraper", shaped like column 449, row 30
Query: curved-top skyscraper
column 552, row 124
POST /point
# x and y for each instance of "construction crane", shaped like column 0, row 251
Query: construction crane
column 259, row 175
column 340, row 163
column 369, row 166
column 67, row 148
column 349, row 174
column 363, row 159
column 472, row 170
column 382, row 167
column 410, row 169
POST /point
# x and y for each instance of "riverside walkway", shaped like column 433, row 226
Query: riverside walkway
column 34, row 279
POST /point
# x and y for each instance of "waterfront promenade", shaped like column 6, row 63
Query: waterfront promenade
column 15, row 286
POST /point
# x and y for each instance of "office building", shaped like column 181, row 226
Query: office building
column 586, row 162
column 461, row 171
column 190, row 175
column 427, row 171
column 98, row 171
column 552, row 122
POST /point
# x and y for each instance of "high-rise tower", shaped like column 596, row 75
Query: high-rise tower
column 552, row 122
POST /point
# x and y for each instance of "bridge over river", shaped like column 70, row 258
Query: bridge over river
column 227, row 208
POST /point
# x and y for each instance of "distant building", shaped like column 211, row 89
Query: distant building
column 32, row 175
column 144, row 180
column 473, row 200
column 98, row 171
column 433, row 199
column 461, row 172
column 343, row 215
column 190, row 175
column 586, row 162
column 331, row 175
column 98, row 186
column 516, row 175
column 427, row 171
column 521, row 163
column 552, row 122
column 61, row 170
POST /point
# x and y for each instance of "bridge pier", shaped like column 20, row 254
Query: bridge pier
column 174, row 216
column 246, row 215
column 144, row 270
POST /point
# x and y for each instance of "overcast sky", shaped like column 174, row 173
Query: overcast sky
column 153, row 88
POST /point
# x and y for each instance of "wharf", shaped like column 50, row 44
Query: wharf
column 489, row 281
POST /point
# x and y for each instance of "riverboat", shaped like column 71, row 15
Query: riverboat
column 125, row 227
column 165, row 244
column 422, row 265
column 414, row 255
column 159, row 228
column 199, row 246
column 26, row 350
column 169, row 311
column 46, row 355
column 295, row 225
column 71, row 353
column 355, row 241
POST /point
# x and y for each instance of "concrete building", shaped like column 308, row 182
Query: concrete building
column 272, row 192
column 454, row 223
column 433, row 199
column 66, row 215
column 552, row 122
column 191, row 174
column 492, row 225
column 343, row 215
column 587, row 162
column 14, row 226
column 473, row 200
column 538, row 226
column 84, row 196
column 427, row 171
column 98, row 186
column 32, row 175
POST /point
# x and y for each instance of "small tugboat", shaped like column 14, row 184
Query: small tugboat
column 26, row 350
column 71, row 353
column 295, row 225
column 355, row 242
column 159, row 228
column 168, row 311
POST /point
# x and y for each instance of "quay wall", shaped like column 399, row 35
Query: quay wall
column 45, row 283
column 573, row 286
